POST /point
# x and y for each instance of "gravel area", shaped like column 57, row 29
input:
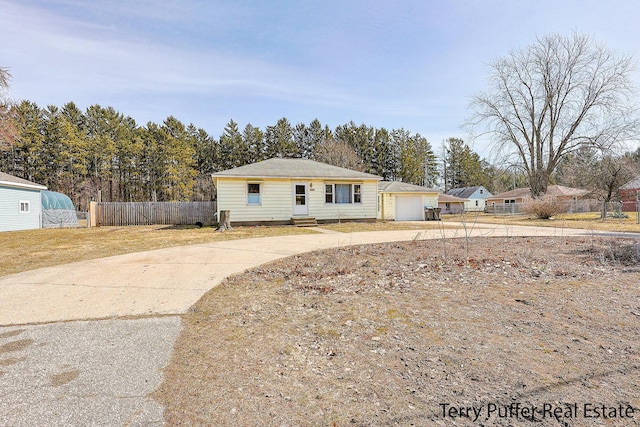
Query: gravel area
column 86, row 373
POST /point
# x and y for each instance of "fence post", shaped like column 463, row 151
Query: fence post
column 92, row 219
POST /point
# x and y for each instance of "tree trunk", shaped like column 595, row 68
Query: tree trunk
column 224, row 223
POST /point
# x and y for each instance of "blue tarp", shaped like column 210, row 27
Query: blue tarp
column 57, row 210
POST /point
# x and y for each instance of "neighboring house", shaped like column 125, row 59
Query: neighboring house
column 451, row 204
column 400, row 201
column 476, row 197
column 629, row 194
column 20, row 204
column 520, row 194
column 282, row 190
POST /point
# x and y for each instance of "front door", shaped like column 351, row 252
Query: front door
column 300, row 199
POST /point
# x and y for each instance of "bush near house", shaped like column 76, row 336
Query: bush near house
column 544, row 207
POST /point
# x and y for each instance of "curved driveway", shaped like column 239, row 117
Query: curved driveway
column 169, row 281
column 60, row 368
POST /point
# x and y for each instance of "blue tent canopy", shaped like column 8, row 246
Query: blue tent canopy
column 54, row 200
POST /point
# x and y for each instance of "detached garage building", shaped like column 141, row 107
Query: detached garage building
column 399, row 201
column 20, row 203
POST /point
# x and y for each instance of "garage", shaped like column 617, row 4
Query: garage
column 409, row 208
column 400, row 201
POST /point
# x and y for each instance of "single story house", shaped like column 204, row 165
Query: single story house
column 399, row 201
column 520, row 194
column 284, row 190
column 20, row 203
column 629, row 194
column 451, row 204
column 476, row 197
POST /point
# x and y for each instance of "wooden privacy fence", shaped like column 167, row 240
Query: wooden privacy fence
column 149, row 213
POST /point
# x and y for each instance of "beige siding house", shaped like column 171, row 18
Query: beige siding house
column 519, row 195
column 451, row 204
column 281, row 190
column 400, row 201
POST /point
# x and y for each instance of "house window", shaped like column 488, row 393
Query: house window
column 343, row 193
column 357, row 193
column 24, row 207
column 476, row 203
column 253, row 194
column 328, row 193
column 481, row 191
column 511, row 201
column 447, row 206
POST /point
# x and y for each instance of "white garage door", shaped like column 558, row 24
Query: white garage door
column 409, row 208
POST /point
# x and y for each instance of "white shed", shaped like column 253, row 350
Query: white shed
column 20, row 203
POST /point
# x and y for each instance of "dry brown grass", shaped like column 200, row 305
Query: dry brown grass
column 384, row 334
column 586, row 221
column 27, row 250
column 354, row 227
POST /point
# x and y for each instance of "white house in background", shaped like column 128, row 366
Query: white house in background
column 476, row 197
column 283, row 190
column 400, row 201
column 20, row 203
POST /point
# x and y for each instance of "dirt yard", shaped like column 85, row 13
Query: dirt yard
column 484, row 332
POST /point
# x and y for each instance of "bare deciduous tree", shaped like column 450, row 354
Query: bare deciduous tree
column 553, row 97
column 4, row 77
column 338, row 153
column 7, row 127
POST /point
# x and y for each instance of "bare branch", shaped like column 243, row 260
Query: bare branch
column 555, row 96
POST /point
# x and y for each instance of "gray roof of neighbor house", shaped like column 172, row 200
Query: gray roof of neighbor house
column 448, row 198
column 14, row 181
column 402, row 187
column 464, row 192
column 633, row 184
column 293, row 168
column 552, row 190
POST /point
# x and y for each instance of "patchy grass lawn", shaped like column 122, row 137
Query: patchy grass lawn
column 31, row 249
column 586, row 221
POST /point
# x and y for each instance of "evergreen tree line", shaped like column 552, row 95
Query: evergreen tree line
column 102, row 154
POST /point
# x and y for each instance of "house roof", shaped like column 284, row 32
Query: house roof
column 14, row 181
column 464, row 192
column 402, row 187
column 447, row 198
column 552, row 190
column 633, row 184
column 293, row 168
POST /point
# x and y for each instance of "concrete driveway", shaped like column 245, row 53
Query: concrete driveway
column 85, row 343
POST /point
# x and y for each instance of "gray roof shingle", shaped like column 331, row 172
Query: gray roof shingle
column 293, row 168
column 463, row 192
column 11, row 180
column 403, row 187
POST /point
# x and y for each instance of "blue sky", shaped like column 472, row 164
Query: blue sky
column 392, row 64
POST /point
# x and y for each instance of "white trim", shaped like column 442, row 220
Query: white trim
column 21, row 185
column 25, row 203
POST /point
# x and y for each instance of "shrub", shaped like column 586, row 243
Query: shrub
column 544, row 207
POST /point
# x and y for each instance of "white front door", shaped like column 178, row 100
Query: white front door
column 300, row 199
